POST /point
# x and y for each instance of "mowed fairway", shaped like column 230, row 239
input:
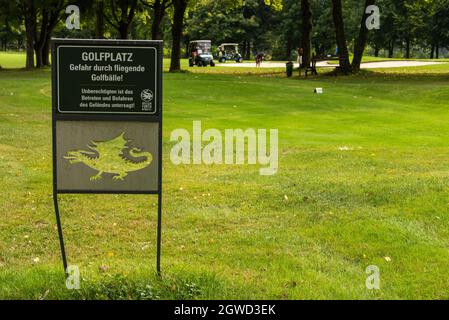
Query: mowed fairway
column 363, row 180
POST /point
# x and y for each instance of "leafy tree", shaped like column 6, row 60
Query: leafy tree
column 439, row 25
column 120, row 14
column 323, row 38
column 227, row 24
column 254, row 24
column 403, row 22
column 306, row 31
column 387, row 36
column 274, row 27
column 429, row 19
column 99, row 19
column 159, row 10
column 361, row 39
column 27, row 9
column 179, row 10
column 288, row 30
column 49, row 14
column 337, row 13
column 11, row 28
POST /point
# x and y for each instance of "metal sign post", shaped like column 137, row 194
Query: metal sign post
column 107, row 121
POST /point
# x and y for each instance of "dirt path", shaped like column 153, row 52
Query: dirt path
column 368, row 65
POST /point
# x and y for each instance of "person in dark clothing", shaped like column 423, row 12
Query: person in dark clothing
column 259, row 58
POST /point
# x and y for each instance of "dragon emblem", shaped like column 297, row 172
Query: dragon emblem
column 109, row 157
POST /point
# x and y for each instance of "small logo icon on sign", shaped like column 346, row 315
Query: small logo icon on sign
column 146, row 95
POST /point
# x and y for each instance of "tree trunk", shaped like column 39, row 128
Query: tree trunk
column 7, row 28
column 123, row 30
column 53, row 18
column 180, row 7
column 432, row 50
column 158, row 14
column 361, row 39
column 391, row 49
column 337, row 14
column 46, row 51
column 38, row 53
column 248, row 50
column 123, row 23
column 30, row 26
column 20, row 43
column 186, row 44
column 40, row 37
column 376, row 50
column 306, row 32
column 289, row 48
column 99, row 23
column 407, row 48
column 128, row 10
column 246, row 12
column 437, row 50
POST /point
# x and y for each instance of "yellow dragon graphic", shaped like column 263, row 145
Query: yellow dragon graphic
column 108, row 157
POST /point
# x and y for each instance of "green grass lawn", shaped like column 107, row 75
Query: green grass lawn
column 12, row 60
column 363, row 180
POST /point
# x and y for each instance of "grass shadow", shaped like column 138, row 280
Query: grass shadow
column 48, row 283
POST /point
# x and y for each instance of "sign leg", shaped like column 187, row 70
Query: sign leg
column 159, row 233
column 61, row 237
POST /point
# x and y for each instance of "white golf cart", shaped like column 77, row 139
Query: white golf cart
column 229, row 51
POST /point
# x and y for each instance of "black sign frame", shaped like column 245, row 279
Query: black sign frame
column 93, row 116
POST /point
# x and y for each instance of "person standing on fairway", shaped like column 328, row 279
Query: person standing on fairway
column 300, row 55
column 259, row 57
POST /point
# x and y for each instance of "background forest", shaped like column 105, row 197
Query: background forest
column 408, row 29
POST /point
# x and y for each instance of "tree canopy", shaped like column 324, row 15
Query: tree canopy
column 408, row 29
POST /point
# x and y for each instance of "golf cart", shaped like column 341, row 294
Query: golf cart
column 229, row 51
column 200, row 54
